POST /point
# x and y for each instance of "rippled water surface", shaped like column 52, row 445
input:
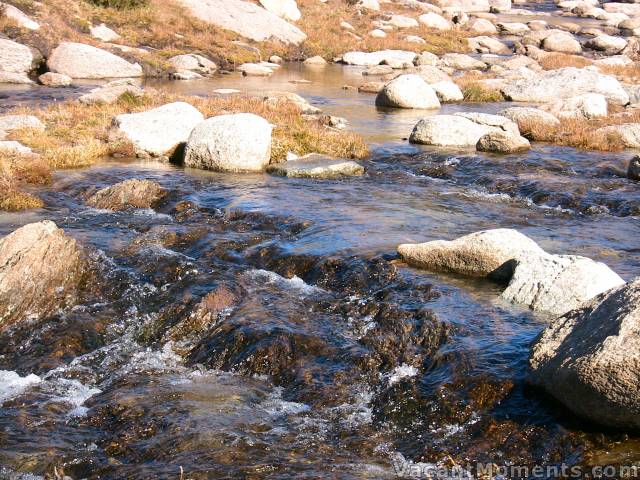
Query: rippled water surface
column 328, row 358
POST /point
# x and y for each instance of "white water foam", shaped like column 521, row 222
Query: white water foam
column 293, row 283
column 403, row 371
column 13, row 385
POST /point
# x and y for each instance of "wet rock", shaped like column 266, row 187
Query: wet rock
column 447, row 91
column 78, row 60
column 628, row 134
column 104, row 33
column 316, row 60
column 159, row 131
column 460, row 61
column 16, row 58
column 193, row 63
column 606, row 43
column 111, row 92
column 490, row 253
column 230, row 143
column 527, row 117
column 408, row 91
column 287, row 9
column 588, row 358
column 18, row 16
column 371, row 87
column 634, row 168
column 274, row 98
column 585, row 106
column 548, row 87
column 502, row 142
column 128, row 194
column 9, row 123
column 246, row 19
column 317, row 166
column 51, row 79
column 563, row 42
column 255, row 70
column 435, row 21
column 41, row 271
column 369, row 59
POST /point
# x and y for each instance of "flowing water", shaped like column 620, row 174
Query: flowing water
column 316, row 353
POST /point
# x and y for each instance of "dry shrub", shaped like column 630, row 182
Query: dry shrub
column 11, row 198
column 581, row 133
column 554, row 61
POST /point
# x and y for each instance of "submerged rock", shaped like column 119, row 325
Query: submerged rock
column 230, row 143
column 159, row 131
column 316, row 165
column 128, row 194
column 246, row 19
column 589, row 359
column 51, row 79
column 112, row 91
column 41, row 271
column 408, row 91
column 502, row 142
column 78, row 60
column 543, row 282
column 634, row 168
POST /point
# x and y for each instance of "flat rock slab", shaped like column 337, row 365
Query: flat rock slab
column 78, row 60
column 317, row 166
column 246, row 19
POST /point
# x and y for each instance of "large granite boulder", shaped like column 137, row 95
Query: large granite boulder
column 550, row 86
column 246, row 19
column 408, row 91
column 158, row 132
column 287, row 9
column 16, row 58
column 78, row 60
column 41, row 272
column 589, row 358
column 230, row 143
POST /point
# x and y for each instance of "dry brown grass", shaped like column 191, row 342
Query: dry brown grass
column 11, row 198
column 474, row 91
column 582, row 133
column 627, row 74
column 76, row 135
column 321, row 23
column 554, row 61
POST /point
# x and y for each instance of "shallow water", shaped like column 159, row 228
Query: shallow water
column 334, row 358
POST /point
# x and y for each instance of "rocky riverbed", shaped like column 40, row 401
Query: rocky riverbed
column 387, row 263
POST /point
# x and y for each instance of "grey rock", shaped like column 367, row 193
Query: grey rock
column 128, row 194
column 78, row 60
column 317, row 166
column 408, row 91
column 502, row 142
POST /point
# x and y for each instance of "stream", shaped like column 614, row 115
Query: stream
column 332, row 359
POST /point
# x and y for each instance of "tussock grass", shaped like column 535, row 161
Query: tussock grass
column 554, row 61
column 582, row 133
column 474, row 91
column 77, row 135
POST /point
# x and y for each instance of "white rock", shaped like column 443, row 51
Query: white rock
column 408, row 91
column 78, row 60
column 104, row 33
column 287, row 9
column 482, row 26
column 401, row 21
column 17, row 78
column 563, row 42
column 377, row 33
column 315, row 165
column 558, row 283
column 606, row 43
column 526, row 117
column 435, row 21
column 447, row 131
column 502, row 142
column 447, row 91
column 246, row 19
column 159, row 131
column 10, row 146
column 255, row 70
column 316, row 60
column 488, row 44
column 230, row 143
column 460, row 61
column 112, row 91
column 19, row 17
column 8, row 123
column 552, row 85
column 627, row 133
column 370, row 5
column 15, row 57
column 513, row 28
column 51, row 79
column 369, row 59
column 585, row 106
column 194, row 63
